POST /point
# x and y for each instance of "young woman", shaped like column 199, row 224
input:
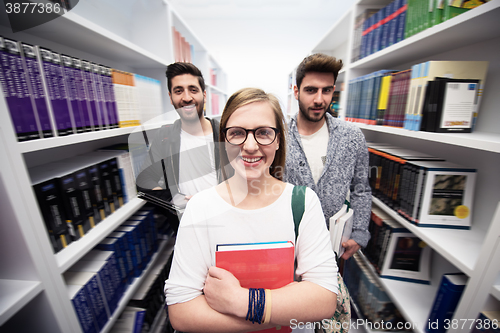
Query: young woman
column 252, row 205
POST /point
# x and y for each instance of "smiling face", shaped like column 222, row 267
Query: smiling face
column 250, row 160
column 315, row 95
column 187, row 97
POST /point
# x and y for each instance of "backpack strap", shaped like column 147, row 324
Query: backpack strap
column 298, row 206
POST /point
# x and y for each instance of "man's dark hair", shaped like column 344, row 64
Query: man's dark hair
column 318, row 62
column 180, row 68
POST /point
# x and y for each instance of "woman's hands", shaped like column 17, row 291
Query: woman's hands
column 224, row 294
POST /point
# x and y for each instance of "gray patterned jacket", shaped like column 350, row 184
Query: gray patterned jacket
column 346, row 167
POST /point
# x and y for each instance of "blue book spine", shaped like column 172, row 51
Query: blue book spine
column 115, row 276
column 96, row 298
column 369, row 38
column 135, row 249
column 370, row 83
column 126, row 252
column 386, row 28
column 364, row 39
column 37, row 90
column 112, row 244
column 377, row 32
column 444, row 306
column 400, row 30
column 84, row 311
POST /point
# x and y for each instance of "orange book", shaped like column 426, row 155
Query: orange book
column 259, row 265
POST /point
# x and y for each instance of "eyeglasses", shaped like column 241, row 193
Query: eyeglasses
column 238, row 135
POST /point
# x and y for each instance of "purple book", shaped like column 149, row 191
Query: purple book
column 52, row 77
column 109, row 95
column 37, row 91
column 91, row 95
column 16, row 92
column 82, row 95
column 96, row 79
column 61, row 93
column 71, row 93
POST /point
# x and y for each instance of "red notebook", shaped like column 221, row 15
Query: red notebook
column 259, row 265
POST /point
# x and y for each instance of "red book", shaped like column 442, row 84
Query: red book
column 259, row 265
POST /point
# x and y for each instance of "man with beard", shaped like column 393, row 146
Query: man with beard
column 184, row 155
column 326, row 154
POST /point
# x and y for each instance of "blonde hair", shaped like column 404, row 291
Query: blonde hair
column 244, row 97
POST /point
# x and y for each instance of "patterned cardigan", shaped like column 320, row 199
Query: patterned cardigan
column 346, row 168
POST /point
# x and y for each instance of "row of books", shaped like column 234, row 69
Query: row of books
column 426, row 190
column 97, row 282
column 76, row 194
column 150, row 296
column 434, row 96
column 369, row 295
column 376, row 29
column 138, row 98
column 51, row 94
column 183, row 51
column 396, row 253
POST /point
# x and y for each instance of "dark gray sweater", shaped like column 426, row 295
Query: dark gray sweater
column 346, row 167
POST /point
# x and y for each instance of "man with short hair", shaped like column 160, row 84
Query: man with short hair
column 185, row 155
column 326, row 154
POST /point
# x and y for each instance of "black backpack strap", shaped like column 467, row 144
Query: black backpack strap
column 298, row 206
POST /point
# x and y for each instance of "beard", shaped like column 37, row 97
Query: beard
column 191, row 118
column 312, row 118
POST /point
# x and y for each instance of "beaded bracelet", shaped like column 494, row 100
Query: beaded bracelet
column 256, row 305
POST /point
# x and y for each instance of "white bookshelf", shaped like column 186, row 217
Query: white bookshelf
column 132, row 36
column 15, row 295
column 474, row 252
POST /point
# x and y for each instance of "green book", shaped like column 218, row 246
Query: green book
column 453, row 8
column 438, row 11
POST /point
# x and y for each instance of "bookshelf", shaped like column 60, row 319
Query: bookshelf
column 129, row 36
column 474, row 252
